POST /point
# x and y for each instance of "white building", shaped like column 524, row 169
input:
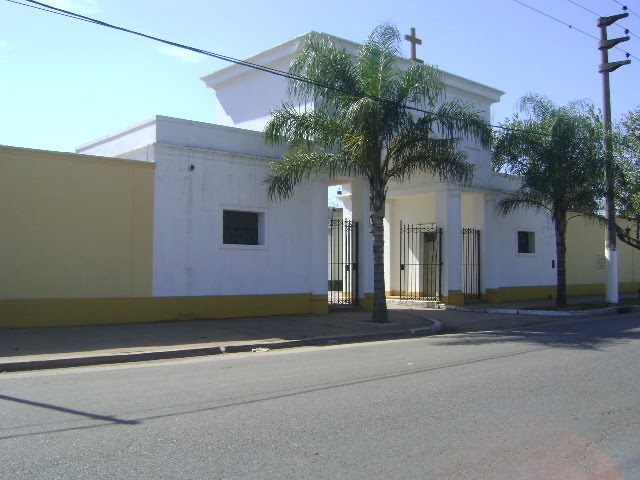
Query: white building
column 217, row 234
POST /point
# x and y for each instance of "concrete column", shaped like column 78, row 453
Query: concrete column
column 389, row 238
column 489, row 254
column 449, row 218
column 355, row 199
column 319, row 247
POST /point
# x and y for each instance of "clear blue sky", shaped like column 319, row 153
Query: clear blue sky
column 65, row 82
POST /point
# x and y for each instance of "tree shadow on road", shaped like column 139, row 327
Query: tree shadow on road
column 587, row 334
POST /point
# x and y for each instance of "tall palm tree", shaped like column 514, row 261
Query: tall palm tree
column 557, row 153
column 368, row 120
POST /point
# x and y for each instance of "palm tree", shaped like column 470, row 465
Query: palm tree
column 367, row 120
column 557, row 153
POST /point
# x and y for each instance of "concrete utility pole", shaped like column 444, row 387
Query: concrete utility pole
column 611, row 252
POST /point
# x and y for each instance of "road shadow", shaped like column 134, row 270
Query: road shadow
column 586, row 333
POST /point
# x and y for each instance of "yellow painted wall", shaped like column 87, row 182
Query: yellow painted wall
column 585, row 251
column 103, row 311
column 74, row 226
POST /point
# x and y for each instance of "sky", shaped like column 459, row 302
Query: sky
column 65, row 82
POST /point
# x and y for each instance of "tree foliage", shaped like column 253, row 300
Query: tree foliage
column 363, row 121
column 627, row 149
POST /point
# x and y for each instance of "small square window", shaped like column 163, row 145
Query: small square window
column 240, row 228
column 526, row 242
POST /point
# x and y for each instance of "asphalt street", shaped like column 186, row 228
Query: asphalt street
column 559, row 401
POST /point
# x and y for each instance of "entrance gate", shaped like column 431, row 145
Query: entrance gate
column 343, row 263
column 471, row 263
column 420, row 261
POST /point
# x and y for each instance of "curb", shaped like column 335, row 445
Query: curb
column 107, row 359
column 551, row 313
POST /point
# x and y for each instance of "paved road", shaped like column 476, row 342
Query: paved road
column 554, row 402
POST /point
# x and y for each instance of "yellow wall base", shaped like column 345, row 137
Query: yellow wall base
column 366, row 302
column 455, row 297
column 319, row 304
column 491, row 295
column 508, row 294
column 102, row 311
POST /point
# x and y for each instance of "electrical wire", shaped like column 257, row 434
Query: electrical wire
column 273, row 71
column 571, row 26
column 66, row 13
column 583, row 7
column 50, row 9
column 626, row 30
column 45, row 10
column 626, row 9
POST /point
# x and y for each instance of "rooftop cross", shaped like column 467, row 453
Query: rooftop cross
column 414, row 41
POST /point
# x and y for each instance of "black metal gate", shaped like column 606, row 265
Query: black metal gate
column 471, row 263
column 420, row 262
column 343, row 263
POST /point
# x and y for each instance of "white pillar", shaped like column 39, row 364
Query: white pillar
column 489, row 254
column 449, row 218
column 612, row 275
column 355, row 198
column 319, row 246
column 389, row 238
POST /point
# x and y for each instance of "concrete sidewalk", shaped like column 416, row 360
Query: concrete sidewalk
column 58, row 347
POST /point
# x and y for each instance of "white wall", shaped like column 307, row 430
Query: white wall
column 203, row 169
column 189, row 256
column 186, row 133
column 517, row 269
column 244, row 96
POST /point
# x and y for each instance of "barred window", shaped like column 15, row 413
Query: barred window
column 526, row 242
column 240, row 228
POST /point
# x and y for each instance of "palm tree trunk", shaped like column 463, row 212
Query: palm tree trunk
column 561, row 253
column 380, row 314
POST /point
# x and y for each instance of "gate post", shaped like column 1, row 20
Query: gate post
column 319, row 247
column 489, row 250
column 355, row 200
column 449, row 216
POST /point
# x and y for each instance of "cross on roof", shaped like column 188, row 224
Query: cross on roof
column 414, row 41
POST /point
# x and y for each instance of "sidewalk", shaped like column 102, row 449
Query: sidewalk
column 58, row 347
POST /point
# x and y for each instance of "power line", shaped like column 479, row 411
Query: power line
column 626, row 9
column 570, row 26
column 584, row 8
column 626, row 30
column 66, row 13
column 554, row 18
column 45, row 9
column 50, row 9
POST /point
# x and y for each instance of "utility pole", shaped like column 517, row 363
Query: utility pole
column 605, row 68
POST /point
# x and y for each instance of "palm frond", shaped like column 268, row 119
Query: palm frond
column 440, row 157
column 299, row 165
column 302, row 129
column 538, row 106
column 376, row 61
column 329, row 68
column 421, row 85
column 457, row 119
column 522, row 199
